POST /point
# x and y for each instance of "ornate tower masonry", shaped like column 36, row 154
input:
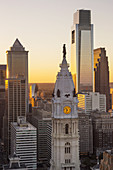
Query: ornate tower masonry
column 65, row 137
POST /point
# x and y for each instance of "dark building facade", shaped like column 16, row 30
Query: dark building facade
column 102, row 131
column 15, row 105
column 2, row 95
column 86, row 134
column 41, row 120
column 101, row 74
column 2, row 75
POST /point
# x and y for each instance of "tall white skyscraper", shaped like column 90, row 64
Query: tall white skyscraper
column 24, row 142
column 65, row 137
column 82, row 51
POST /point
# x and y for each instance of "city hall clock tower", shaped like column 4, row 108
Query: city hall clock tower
column 65, row 137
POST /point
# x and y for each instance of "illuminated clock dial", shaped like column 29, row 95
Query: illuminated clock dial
column 67, row 109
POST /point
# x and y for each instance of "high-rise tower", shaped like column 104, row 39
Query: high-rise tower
column 101, row 74
column 16, row 88
column 17, row 64
column 65, row 137
column 82, row 51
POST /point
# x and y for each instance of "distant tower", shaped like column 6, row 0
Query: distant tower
column 17, row 64
column 82, row 51
column 101, row 74
column 65, row 137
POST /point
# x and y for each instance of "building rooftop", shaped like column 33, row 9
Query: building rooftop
column 21, row 124
column 14, row 163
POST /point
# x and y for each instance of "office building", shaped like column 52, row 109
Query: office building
column 92, row 101
column 86, row 133
column 2, row 76
column 16, row 102
column 2, row 95
column 24, row 142
column 17, row 64
column 101, row 74
column 107, row 161
column 82, row 51
column 41, row 120
column 65, row 137
column 102, row 131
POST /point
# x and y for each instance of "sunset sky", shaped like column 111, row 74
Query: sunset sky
column 43, row 26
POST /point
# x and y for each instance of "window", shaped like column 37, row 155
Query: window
column 73, row 36
column 67, row 161
column 67, row 148
column 66, row 129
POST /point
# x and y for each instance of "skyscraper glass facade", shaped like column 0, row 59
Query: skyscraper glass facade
column 82, row 51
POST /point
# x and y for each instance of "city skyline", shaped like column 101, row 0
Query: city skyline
column 42, row 27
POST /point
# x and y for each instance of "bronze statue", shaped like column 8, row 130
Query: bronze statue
column 64, row 51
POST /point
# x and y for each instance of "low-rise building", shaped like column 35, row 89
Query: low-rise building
column 14, row 163
column 92, row 101
column 102, row 131
column 24, row 142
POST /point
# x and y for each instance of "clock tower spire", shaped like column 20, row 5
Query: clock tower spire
column 65, row 137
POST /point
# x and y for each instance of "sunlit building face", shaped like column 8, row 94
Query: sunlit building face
column 82, row 51
column 17, row 64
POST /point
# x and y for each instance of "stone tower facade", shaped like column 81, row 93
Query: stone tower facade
column 65, row 137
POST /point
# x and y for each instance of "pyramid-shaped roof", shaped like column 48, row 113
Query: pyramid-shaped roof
column 17, row 46
column 17, row 43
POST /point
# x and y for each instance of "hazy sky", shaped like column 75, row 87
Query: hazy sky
column 43, row 26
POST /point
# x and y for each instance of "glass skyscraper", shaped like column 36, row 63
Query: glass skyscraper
column 82, row 51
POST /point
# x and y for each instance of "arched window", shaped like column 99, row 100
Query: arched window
column 66, row 129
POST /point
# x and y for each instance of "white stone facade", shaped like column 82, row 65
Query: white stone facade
column 65, row 137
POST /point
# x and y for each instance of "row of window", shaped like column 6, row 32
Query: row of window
column 68, row 168
column 67, row 161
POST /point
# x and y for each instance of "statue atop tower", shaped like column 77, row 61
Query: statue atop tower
column 64, row 51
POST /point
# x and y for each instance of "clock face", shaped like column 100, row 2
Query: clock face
column 67, row 109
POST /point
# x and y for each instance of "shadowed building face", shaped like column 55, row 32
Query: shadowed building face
column 101, row 74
